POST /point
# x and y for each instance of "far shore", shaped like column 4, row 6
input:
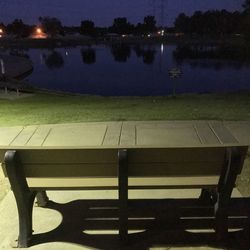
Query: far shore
column 71, row 41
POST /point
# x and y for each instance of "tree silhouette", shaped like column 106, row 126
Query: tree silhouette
column 149, row 23
column 212, row 22
column 51, row 25
column 122, row 26
column 88, row 56
column 182, row 23
column 18, row 28
column 246, row 19
column 2, row 26
column 87, row 28
column 246, row 5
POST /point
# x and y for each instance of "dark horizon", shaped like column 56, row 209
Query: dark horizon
column 71, row 13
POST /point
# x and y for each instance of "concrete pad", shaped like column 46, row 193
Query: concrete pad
column 4, row 185
column 46, row 219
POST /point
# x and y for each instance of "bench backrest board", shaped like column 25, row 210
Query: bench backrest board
column 147, row 162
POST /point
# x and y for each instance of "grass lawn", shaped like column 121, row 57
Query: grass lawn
column 50, row 108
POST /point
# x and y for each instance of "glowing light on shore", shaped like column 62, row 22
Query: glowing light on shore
column 39, row 31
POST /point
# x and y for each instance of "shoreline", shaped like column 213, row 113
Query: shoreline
column 78, row 41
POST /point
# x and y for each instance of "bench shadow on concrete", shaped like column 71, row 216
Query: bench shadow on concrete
column 160, row 223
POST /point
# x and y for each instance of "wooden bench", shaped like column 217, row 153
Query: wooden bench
column 33, row 171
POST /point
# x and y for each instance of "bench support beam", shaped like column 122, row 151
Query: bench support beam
column 225, row 187
column 41, row 199
column 24, row 197
column 123, row 194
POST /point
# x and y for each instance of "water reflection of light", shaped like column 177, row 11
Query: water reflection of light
column 66, row 53
column 162, row 48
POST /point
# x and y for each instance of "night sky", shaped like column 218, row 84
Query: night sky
column 102, row 12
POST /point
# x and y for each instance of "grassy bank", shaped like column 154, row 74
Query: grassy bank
column 48, row 108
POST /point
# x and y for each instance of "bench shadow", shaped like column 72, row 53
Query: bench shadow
column 94, row 223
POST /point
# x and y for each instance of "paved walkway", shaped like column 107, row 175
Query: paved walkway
column 46, row 220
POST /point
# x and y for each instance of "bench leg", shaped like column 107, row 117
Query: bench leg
column 208, row 196
column 123, row 194
column 24, row 197
column 42, row 199
column 225, row 187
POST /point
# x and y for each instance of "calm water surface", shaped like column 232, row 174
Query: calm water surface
column 124, row 70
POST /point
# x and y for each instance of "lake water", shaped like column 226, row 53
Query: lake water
column 141, row 70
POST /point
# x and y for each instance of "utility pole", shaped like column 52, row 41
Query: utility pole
column 162, row 12
column 157, row 9
column 152, row 9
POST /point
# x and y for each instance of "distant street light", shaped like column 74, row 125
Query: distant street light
column 39, row 31
column 1, row 32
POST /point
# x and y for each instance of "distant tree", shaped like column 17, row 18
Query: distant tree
column 246, row 5
column 51, row 25
column 212, row 22
column 139, row 28
column 245, row 24
column 71, row 29
column 2, row 26
column 122, row 26
column 18, row 28
column 87, row 28
column 182, row 23
column 150, row 23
